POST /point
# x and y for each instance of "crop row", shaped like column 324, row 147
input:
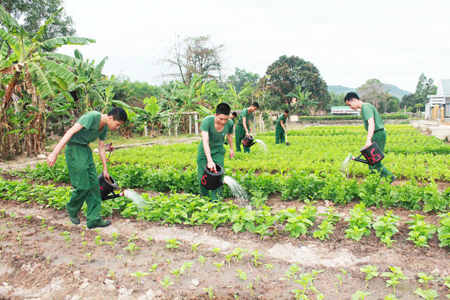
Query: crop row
column 193, row 210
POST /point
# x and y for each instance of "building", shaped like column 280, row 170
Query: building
column 344, row 110
column 442, row 98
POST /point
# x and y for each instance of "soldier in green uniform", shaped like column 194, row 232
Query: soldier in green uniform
column 232, row 117
column 79, row 160
column 280, row 129
column 243, row 126
column 211, row 150
column 375, row 130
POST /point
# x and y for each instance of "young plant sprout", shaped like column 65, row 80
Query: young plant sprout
column 424, row 278
column 115, row 236
column 19, row 238
column 173, row 243
column 315, row 273
column 66, row 236
column 168, row 261
column 202, row 259
column 153, row 269
column 195, row 246
column 268, row 268
column 256, row 256
column 242, row 275
column 216, row 250
column 250, row 287
column 149, row 239
column 43, row 225
column 97, row 240
column 82, row 234
column 166, row 282
column 238, row 253
column 111, row 274
column 219, row 267
column 70, row 263
column 426, row 294
column 370, row 271
column 118, row 257
column 178, row 272
column 395, row 275
column 131, row 247
column 209, row 290
column 48, row 259
column 257, row 279
column 139, row 275
column 390, row 297
column 188, row 265
column 88, row 255
column 84, row 246
column 360, row 295
column 51, row 229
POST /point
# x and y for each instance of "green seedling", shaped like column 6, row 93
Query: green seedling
column 304, row 280
column 106, row 263
column 316, row 272
column 98, row 230
column 242, row 275
column 394, row 276
column 228, row 258
column 2, row 212
column 386, row 226
column 82, row 234
column 188, row 266
column 426, row 294
column 115, row 236
column 97, row 240
column 210, row 292
column 154, row 255
column 420, row 231
column 51, row 229
column 339, row 277
column 19, row 238
column 48, row 259
column 219, row 267
column 109, row 243
column 299, row 294
column 153, row 269
column 166, row 282
column 178, row 272
column 84, row 246
column 139, row 275
column 424, row 278
column 257, row 279
column 335, row 287
column 256, row 256
column 360, row 295
column 149, row 239
column 250, row 287
column 236, row 296
column 173, row 244
column 202, row 259
column 111, row 274
column 216, row 250
column 118, row 257
column 268, row 268
column 66, row 236
column 133, row 237
column 390, row 297
column 88, row 255
column 238, row 253
column 9, row 224
column 370, row 271
column 131, row 247
column 70, row 263
column 13, row 215
column 168, row 261
column 447, row 281
column 195, row 246
column 290, row 273
column 68, row 225
column 43, row 225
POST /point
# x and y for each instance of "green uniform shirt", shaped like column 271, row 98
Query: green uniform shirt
column 369, row 111
column 216, row 139
column 90, row 131
column 281, row 118
column 245, row 114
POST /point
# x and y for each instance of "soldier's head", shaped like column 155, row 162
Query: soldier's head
column 222, row 113
column 253, row 107
column 352, row 100
column 116, row 117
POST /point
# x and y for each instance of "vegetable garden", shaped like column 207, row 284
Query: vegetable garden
column 313, row 232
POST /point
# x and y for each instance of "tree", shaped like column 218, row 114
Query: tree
column 373, row 93
column 289, row 72
column 392, row 104
column 194, row 56
column 424, row 88
column 303, row 100
column 34, row 13
column 337, row 99
column 242, row 78
column 32, row 76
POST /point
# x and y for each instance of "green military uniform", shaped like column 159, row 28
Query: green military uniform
column 379, row 136
column 83, row 174
column 240, row 131
column 279, row 131
column 217, row 152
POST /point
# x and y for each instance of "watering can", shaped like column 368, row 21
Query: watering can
column 107, row 186
column 372, row 154
column 211, row 180
column 248, row 141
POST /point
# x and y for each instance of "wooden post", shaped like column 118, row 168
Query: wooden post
column 190, row 124
column 196, row 123
column 168, row 125
column 442, row 114
column 145, row 130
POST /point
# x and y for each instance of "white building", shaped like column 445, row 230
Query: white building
column 442, row 98
column 343, row 110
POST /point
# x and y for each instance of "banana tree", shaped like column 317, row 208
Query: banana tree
column 35, row 76
column 151, row 114
column 303, row 100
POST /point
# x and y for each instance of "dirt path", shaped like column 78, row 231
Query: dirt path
column 44, row 266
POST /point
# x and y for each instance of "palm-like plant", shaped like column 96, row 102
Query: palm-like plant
column 31, row 72
column 303, row 99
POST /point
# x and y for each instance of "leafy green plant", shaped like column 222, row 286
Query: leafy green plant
column 111, row 274
column 178, row 272
column 219, row 267
column 166, row 282
column 256, row 256
column 291, row 273
column 242, row 275
column 360, row 295
column 390, row 297
column 385, row 227
column 444, row 230
column 89, row 256
column 149, row 239
column 420, row 231
column 195, row 246
column 210, row 292
column 360, row 222
column 153, row 269
column 426, row 294
column 173, row 243
column 424, row 278
column 394, row 276
column 216, row 250
column 43, row 225
column 250, row 287
column 202, row 260
column 139, row 275
column 238, row 253
column 168, row 261
column 131, row 247
column 370, row 271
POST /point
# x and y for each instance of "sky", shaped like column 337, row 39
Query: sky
column 349, row 41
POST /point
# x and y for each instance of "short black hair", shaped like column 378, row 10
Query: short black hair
column 286, row 110
column 118, row 114
column 351, row 96
column 223, row 109
column 255, row 104
column 234, row 113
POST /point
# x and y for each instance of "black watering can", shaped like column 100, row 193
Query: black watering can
column 248, row 141
column 211, row 180
column 373, row 155
column 108, row 186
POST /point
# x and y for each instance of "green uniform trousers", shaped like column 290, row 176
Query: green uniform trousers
column 379, row 137
column 218, row 156
column 84, row 179
column 239, row 136
column 279, row 135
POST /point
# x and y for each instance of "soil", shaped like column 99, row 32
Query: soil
column 44, row 266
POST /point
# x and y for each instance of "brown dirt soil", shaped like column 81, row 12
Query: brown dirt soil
column 40, row 267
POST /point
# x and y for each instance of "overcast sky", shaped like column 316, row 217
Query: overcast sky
column 349, row 41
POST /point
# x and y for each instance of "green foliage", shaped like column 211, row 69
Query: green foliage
column 426, row 294
column 360, row 222
column 420, row 231
column 444, row 230
column 385, row 227
column 370, row 271
column 394, row 276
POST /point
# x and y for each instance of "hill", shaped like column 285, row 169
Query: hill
column 392, row 89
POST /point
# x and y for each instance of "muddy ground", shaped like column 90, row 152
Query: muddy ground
column 45, row 266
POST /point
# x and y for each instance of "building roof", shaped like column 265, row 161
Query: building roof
column 443, row 89
column 341, row 108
